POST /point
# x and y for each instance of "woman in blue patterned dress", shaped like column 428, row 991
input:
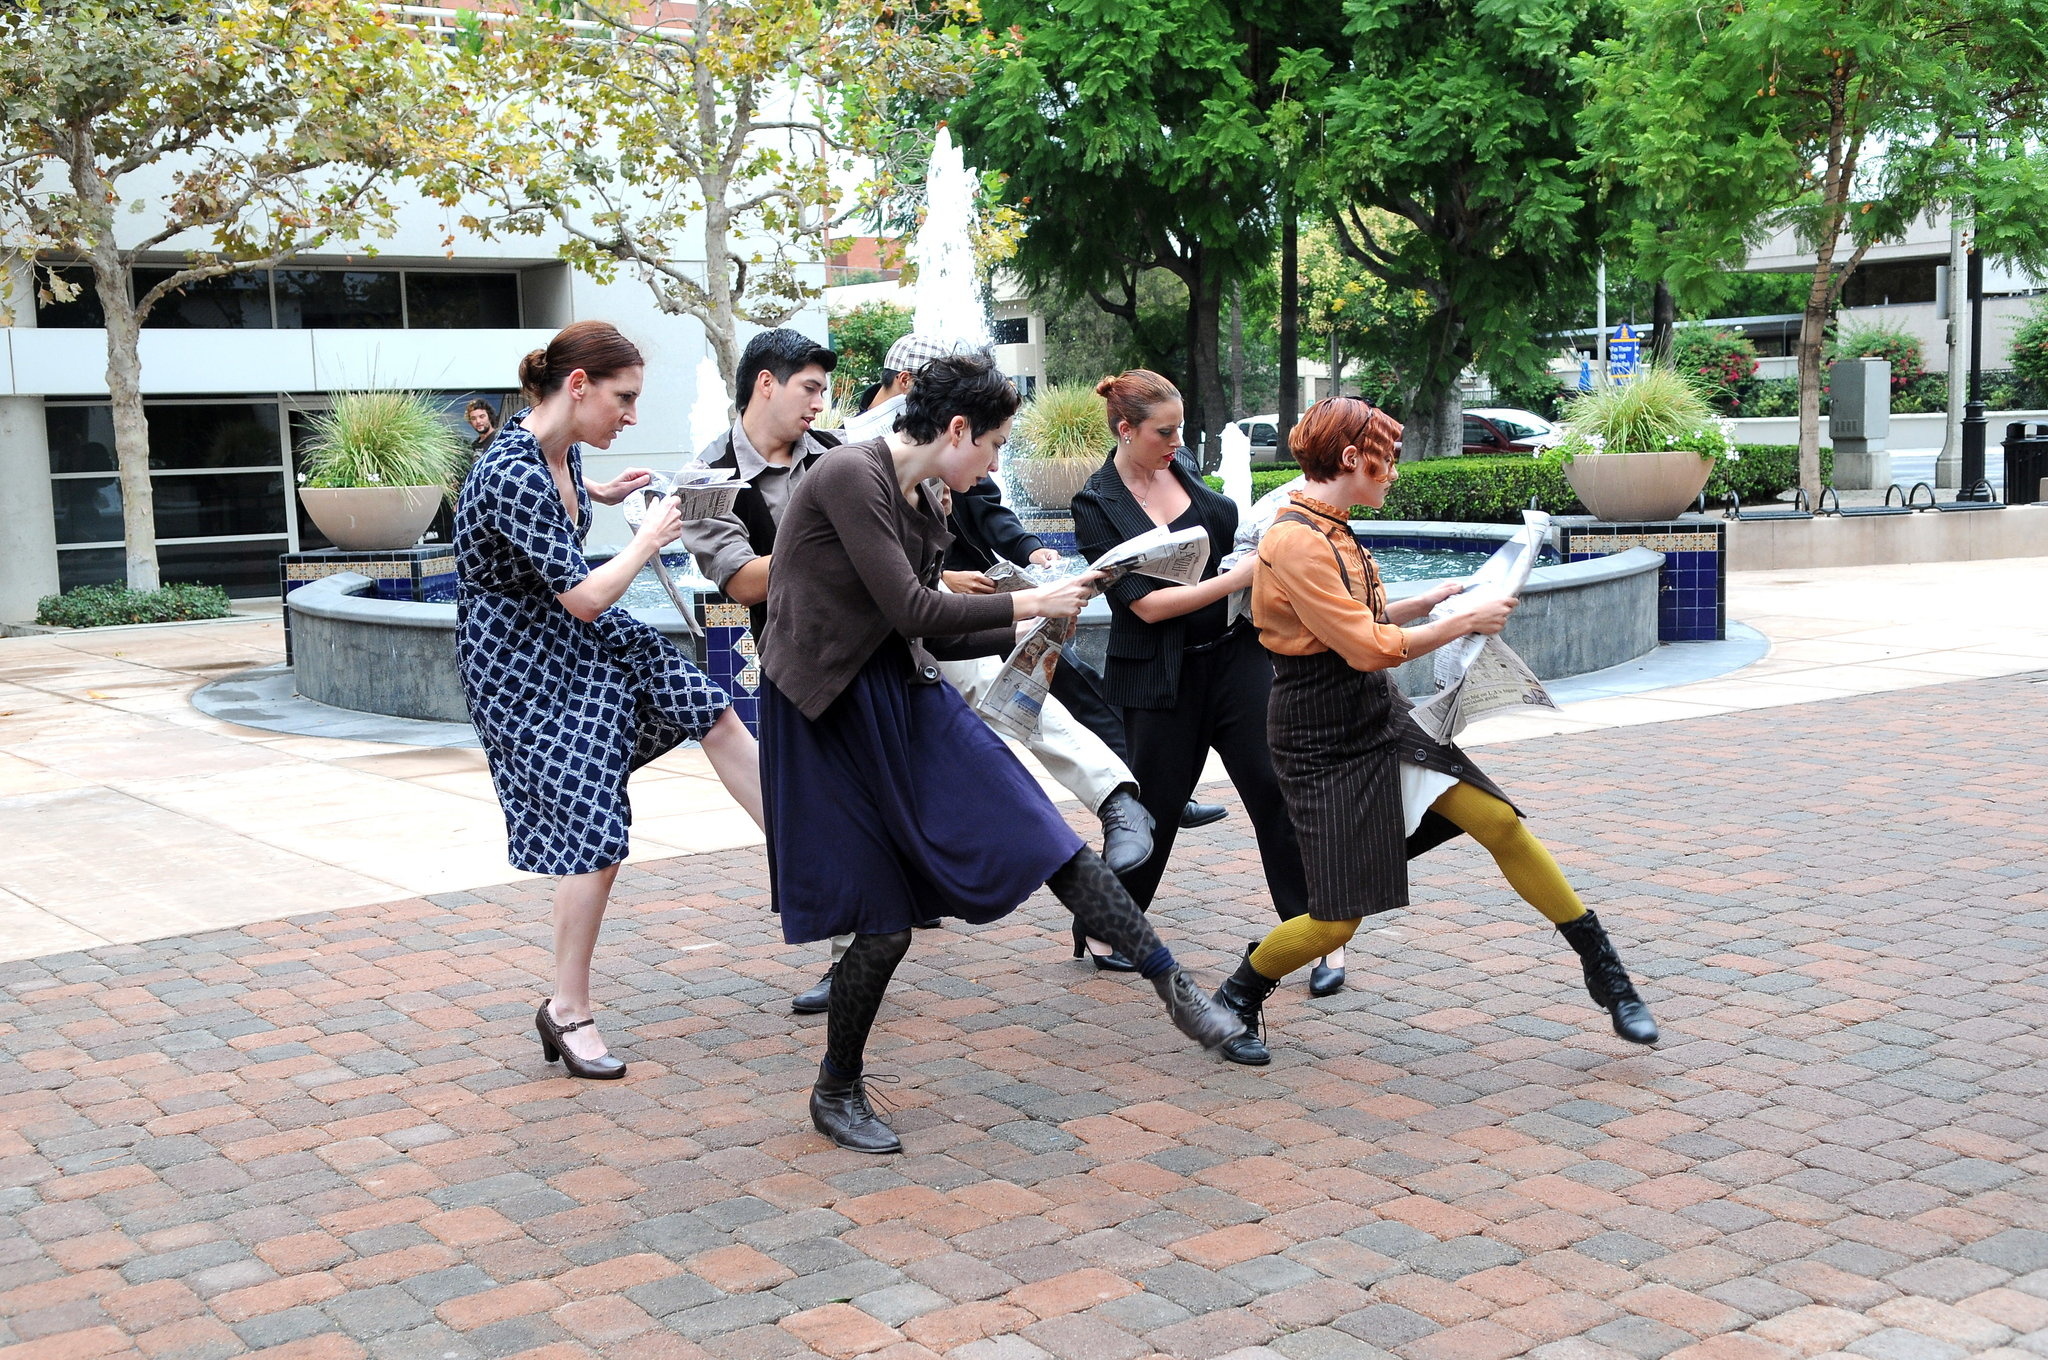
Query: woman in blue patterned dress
column 568, row 693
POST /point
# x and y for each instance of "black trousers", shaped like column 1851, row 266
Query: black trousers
column 1075, row 684
column 1220, row 706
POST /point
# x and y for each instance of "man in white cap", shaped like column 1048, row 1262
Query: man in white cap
column 899, row 369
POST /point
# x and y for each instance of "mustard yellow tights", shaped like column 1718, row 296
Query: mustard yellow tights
column 1523, row 860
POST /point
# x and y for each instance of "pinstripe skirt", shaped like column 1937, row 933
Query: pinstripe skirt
column 1339, row 736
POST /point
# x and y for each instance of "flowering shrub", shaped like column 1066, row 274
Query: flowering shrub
column 2030, row 355
column 1720, row 362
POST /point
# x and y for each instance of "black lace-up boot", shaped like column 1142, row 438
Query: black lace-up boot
column 840, row 1111
column 1607, row 982
column 1244, row 996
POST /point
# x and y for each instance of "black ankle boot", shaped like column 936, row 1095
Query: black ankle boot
column 1607, row 981
column 1244, row 996
column 839, row 1110
column 1193, row 1014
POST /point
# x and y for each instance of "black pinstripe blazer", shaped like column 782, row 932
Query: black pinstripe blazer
column 1143, row 667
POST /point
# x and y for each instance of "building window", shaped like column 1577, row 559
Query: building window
column 217, row 474
column 340, row 299
column 308, row 299
column 1010, row 330
column 461, row 302
column 1891, row 283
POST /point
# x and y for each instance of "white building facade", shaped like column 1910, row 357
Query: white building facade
column 232, row 368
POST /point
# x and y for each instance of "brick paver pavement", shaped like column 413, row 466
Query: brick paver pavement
column 333, row 1136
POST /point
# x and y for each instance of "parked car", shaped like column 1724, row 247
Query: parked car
column 1503, row 429
column 1264, row 432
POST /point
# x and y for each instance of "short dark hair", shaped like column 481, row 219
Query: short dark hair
column 479, row 404
column 957, row 385
column 782, row 353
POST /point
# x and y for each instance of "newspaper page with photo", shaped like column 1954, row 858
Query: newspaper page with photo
column 1475, row 675
column 701, row 493
column 1013, row 703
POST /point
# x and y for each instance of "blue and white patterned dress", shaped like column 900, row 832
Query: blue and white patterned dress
column 564, row 709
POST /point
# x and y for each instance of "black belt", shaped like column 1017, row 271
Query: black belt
column 1230, row 634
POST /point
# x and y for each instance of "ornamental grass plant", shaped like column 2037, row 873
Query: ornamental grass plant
column 383, row 439
column 1657, row 410
column 1060, row 437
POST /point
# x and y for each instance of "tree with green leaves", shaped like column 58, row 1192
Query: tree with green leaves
column 231, row 135
column 710, row 152
column 1133, row 134
column 1842, row 120
column 1439, row 139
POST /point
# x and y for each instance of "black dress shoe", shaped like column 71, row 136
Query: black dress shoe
column 1201, row 814
column 1244, row 995
column 1126, row 831
column 1325, row 981
column 817, row 999
column 1607, row 981
column 840, row 1111
column 606, row 1068
column 1112, row 962
column 1195, row 1015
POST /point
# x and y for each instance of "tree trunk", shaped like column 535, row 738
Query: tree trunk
column 1237, row 350
column 1336, row 366
column 131, row 426
column 1191, row 387
column 1813, row 324
column 1205, row 357
column 1663, row 324
column 1290, row 330
column 1436, row 426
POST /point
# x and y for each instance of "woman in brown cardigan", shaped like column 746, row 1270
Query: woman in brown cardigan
column 887, row 801
column 1367, row 789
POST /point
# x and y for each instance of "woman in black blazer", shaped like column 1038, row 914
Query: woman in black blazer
column 1189, row 679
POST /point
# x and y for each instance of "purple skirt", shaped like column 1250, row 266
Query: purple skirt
column 898, row 805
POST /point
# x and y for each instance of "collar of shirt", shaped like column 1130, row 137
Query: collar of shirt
column 751, row 464
column 1320, row 507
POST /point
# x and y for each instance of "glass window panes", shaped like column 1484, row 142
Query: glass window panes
column 1010, row 330
column 81, row 438
column 1262, row 433
column 82, row 312
column 339, row 299
column 1893, row 282
column 246, row 569
column 1515, row 429
column 231, row 302
column 227, row 435
column 209, row 505
column 88, row 509
column 1477, row 433
column 461, row 301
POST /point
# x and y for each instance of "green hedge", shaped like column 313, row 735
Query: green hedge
column 104, row 606
column 1495, row 490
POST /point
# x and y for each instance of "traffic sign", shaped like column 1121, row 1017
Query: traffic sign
column 1624, row 350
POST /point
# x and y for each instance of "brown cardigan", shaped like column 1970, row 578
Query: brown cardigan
column 855, row 562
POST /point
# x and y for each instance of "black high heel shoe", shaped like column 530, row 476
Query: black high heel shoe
column 606, row 1068
column 1324, row 980
column 1112, row 962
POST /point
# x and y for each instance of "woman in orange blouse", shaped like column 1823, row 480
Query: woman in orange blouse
column 1366, row 788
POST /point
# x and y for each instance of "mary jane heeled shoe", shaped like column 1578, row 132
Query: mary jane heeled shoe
column 606, row 1068
column 1112, row 962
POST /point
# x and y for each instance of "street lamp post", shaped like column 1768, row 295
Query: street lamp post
column 1974, row 422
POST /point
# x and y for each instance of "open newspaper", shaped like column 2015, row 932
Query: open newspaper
column 701, row 493
column 1475, row 675
column 1014, row 702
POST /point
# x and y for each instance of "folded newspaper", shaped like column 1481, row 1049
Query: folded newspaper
column 701, row 493
column 1475, row 675
column 1014, row 702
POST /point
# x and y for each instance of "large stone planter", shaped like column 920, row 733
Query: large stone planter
column 372, row 518
column 1050, row 483
column 1632, row 487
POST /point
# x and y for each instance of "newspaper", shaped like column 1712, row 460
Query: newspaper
column 1017, row 697
column 701, row 493
column 1477, row 676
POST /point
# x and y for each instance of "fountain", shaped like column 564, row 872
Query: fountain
column 948, row 291
column 711, row 413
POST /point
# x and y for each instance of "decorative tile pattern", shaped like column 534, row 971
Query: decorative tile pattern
column 423, row 573
column 1692, row 587
column 730, row 656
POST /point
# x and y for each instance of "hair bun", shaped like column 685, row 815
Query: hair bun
column 533, row 371
column 1105, row 387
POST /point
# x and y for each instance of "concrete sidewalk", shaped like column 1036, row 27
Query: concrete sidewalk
column 131, row 816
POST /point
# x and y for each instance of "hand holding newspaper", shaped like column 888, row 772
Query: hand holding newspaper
column 1476, row 675
column 700, row 493
column 1014, row 702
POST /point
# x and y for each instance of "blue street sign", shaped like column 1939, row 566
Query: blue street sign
column 1624, row 350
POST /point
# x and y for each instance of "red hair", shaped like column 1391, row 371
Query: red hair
column 1334, row 424
column 1132, row 397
